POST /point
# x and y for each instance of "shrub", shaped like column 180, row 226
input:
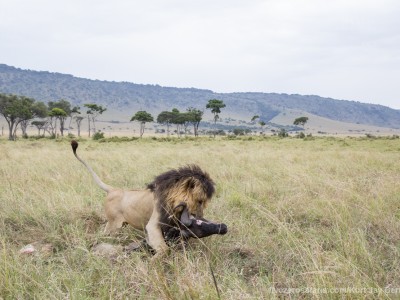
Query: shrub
column 283, row 133
column 98, row 136
column 238, row 131
column 301, row 135
column 117, row 139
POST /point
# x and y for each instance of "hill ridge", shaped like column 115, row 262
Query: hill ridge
column 123, row 96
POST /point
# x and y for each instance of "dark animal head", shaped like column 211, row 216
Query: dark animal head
column 192, row 227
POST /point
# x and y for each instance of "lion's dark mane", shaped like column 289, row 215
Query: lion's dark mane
column 164, row 182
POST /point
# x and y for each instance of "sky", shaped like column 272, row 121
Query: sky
column 342, row 49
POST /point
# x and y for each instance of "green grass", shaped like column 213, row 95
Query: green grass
column 302, row 215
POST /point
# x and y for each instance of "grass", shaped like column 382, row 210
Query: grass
column 307, row 219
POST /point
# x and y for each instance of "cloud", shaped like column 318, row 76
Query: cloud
column 346, row 49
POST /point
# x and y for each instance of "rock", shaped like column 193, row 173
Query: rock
column 28, row 249
column 134, row 246
column 105, row 249
column 37, row 248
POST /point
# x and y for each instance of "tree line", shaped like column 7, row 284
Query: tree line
column 20, row 111
column 181, row 120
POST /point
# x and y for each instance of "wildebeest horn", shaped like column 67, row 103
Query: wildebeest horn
column 185, row 217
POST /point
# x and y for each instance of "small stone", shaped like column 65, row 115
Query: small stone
column 105, row 249
column 28, row 249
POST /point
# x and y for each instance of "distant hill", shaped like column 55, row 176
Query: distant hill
column 128, row 97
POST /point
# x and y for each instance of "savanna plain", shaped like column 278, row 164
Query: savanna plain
column 316, row 218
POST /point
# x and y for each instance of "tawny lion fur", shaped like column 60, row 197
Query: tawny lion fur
column 152, row 208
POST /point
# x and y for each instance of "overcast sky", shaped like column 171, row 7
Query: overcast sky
column 346, row 49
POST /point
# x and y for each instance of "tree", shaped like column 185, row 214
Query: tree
column 57, row 114
column 143, row 117
column 78, row 120
column 184, row 120
column 194, row 117
column 39, row 125
column 165, row 118
column 215, row 105
column 241, row 131
column 300, row 121
column 38, row 110
column 178, row 119
column 283, row 133
column 93, row 112
column 254, row 118
column 74, row 112
column 262, row 124
column 66, row 107
column 16, row 109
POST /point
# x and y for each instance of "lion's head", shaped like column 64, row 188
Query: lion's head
column 187, row 184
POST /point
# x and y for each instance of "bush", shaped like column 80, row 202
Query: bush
column 98, row 136
column 370, row 136
column 117, row 139
column 301, row 135
column 283, row 133
column 238, row 131
column 309, row 137
column 241, row 131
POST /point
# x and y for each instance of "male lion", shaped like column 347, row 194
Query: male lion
column 160, row 206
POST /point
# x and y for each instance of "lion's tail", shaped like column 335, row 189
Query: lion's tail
column 96, row 178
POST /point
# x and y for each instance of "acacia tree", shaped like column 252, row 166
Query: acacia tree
column 143, row 117
column 215, row 105
column 74, row 112
column 16, row 109
column 184, row 119
column 66, row 107
column 262, row 124
column 93, row 112
column 57, row 114
column 39, row 125
column 194, row 117
column 38, row 110
column 254, row 118
column 78, row 121
column 300, row 121
column 165, row 118
column 178, row 119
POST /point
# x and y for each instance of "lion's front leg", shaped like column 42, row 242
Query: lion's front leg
column 154, row 234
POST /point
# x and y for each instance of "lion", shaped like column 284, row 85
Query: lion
column 159, row 207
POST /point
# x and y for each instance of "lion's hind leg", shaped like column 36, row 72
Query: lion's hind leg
column 113, row 212
column 113, row 226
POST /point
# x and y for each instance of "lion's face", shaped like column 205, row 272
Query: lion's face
column 192, row 192
column 187, row 184
column 196, row 205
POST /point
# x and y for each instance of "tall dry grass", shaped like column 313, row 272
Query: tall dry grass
column 305, row 218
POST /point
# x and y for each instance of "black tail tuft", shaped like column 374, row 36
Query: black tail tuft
column 74, row 145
